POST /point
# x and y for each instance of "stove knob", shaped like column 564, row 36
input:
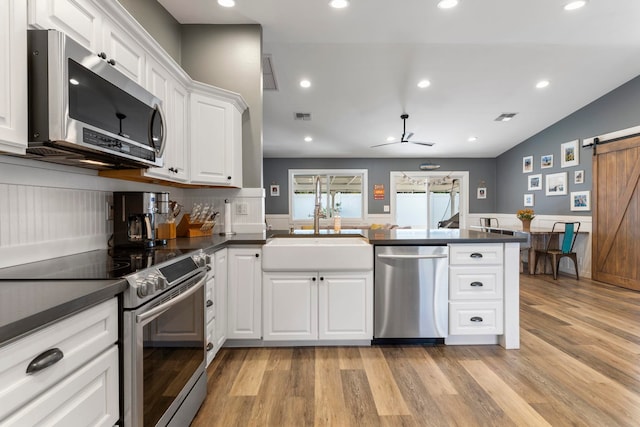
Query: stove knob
column 161, row 283
column 143, row 289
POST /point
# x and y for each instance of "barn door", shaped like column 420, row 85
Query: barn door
column 616, row 214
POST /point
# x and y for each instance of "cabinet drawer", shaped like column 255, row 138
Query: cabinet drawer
column 475, row 254
column 80, row 337
column 88, row 397
column 475, row 283
column 211, row 341
column 475, row 318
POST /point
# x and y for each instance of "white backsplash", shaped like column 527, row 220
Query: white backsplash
column 48, row 210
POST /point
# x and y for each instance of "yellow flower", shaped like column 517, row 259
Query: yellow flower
column 526, row 214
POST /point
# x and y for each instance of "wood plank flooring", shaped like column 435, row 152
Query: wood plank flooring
column 579, row 364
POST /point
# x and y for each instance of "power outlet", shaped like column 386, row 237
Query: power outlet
column 109, row 212
column 386, row 208
column 242, row 209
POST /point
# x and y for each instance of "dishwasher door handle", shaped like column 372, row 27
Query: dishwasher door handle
column 417, row 256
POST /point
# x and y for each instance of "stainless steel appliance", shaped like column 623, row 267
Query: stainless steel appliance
column 411, row 293
column 164, row 342
column 135, row 217
column 84, row 112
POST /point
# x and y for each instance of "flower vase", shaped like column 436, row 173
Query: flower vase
column 526, row 224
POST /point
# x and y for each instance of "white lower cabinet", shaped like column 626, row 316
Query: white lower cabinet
column 80, row 388
column 476, row 289
column 216, row 304
column 317, row 306
column 244, row 299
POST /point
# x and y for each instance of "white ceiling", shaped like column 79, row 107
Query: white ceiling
column 483, row 58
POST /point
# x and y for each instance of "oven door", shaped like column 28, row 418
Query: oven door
column 164, row 351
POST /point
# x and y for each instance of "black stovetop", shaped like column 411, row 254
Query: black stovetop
column 94, row 265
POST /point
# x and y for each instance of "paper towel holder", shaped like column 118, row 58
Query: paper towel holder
column 227, row 219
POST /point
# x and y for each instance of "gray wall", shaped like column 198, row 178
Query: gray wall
column 619, row 109
column 230, row 57
column 276, row 171
column 158, row 22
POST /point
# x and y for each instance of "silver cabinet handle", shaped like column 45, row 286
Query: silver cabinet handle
column 44, row 360
column 476, row 255
column 412, row 256
column 476, row 284
column 476, row 319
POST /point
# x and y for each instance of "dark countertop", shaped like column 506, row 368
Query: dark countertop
column 29, row 305
column 35, row 294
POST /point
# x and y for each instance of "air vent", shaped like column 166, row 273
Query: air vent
column 268, row 75
column 302, row 116
column 505, row 117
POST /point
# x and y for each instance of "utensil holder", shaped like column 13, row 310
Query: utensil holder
column 166, row 231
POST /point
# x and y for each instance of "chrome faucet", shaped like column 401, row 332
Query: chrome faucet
column 317, row 214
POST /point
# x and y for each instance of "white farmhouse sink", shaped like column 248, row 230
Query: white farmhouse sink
column 313, row 253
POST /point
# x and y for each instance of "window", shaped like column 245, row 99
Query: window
column 342, row 192
column 429, row 200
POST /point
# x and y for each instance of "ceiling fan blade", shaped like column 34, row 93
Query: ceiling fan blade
column 406, row 137
column 386, row 143
column 428, row 144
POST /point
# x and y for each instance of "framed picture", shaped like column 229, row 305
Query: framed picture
column 274, row 190
column 556, row 184
column 535, row 182
column 546, row 161
column 581, row 200
column 482, row 192
column 570, row 154
column 528, row 199
column 527, row 164
column 578, row 177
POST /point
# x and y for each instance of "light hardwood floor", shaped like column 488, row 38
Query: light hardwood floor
column 578, row 364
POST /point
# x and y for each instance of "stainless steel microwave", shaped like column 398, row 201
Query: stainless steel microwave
column 84, row 112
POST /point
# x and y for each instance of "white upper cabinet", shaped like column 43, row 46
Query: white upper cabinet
column 216, row 141
column 79, row 19
column 127, row 55
column 13, row 76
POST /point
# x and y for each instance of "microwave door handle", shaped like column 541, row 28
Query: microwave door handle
column 160, row 112
column 157, row 311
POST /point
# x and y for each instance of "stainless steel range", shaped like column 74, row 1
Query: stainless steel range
column 164, row 342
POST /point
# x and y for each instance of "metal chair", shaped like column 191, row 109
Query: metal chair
column 489, row 222
column 565, row 249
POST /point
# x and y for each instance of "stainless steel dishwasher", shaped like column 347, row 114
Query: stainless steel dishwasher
column 411, row 285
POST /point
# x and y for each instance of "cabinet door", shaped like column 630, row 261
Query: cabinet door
column 215, row 126
column 345, row 306
column 13, row 76
column 176, row 158
column 128, row 55
column 245, row 293
column 220, row 336
column 159, row 83
column 76, row 18
column 290, row 306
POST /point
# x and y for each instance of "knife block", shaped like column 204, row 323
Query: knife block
column 191, row 229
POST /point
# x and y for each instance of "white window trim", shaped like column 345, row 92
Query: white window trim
column 365, row 192
column 464, row 189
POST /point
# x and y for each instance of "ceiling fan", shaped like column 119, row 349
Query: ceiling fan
column 404, row 139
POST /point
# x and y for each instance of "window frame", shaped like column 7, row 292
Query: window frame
column 329, row 172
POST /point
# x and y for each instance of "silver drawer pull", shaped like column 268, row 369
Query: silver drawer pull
column 476, row 255
column 44, row 360
column 476, row 319
column 476, row 284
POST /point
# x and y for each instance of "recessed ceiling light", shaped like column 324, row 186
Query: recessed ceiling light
column 339, row 4
column 74, row 82
column 305, row 83
column 424, row 83
column 573, row 5
column 308, row 139
column 390, row 138
column 542, row 84
column 227, row 3
column 505, row 117
column 472, row 138
column 447, row 4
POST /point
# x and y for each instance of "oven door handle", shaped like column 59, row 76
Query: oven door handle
column 157, row 311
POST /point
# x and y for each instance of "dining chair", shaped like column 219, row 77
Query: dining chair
column 489, row 222
column 565, row 249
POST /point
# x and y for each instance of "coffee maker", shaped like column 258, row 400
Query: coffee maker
column 135, row 217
